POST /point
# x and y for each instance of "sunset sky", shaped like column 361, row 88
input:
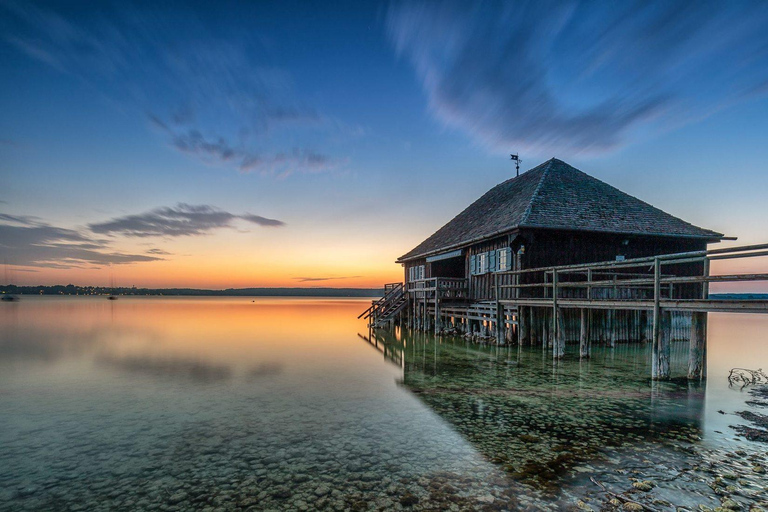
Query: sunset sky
column 239, row 144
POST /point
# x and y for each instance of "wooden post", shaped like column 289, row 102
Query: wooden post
column 705, row 284
column 697, row 365
column 697, row 350
column 584, row 340
column 523, row 335
column 662, row 353
column 613, row 325
column 558, row 342
column 656, row 338
column 584, row 335
column 437, row 306
column 612, row 328
column 500, row 323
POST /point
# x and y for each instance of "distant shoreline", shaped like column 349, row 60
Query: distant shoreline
column 65, row 290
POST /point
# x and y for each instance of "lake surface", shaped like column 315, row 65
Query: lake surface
column 292, row 404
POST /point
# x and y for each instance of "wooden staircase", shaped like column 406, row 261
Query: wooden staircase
column 385, row 309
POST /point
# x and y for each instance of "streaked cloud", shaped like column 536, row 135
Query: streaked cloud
column 330, row 278
column 219, row 150
column 221, row 97
column 158, row 252
column 25, row 241
column 579, row 77
column 180, row 220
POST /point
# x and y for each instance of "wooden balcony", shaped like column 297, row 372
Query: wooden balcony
column 439, row 287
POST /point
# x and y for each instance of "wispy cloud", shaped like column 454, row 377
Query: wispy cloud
column 570, row 77
column 330, row 278
column 218, row 96
column 158, row 252
column 181, row 220
column 219, row 150
column 29, row 242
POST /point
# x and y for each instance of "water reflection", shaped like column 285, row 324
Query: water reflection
column 538, row 420
column 197, row 371
column 150, row 403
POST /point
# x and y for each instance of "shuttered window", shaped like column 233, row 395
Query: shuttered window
column 482, row 263
column 505, row 259
column 498, row 260
column 415, row 273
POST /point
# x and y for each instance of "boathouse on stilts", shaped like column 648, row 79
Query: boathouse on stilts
column 555, row 257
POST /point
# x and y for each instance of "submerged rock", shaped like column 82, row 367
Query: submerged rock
column 645, row 485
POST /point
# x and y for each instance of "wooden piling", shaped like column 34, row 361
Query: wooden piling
column 558, row 332
column 697, row 351
column 584, row 335
column 558, row 345
column 523, row 334
column 662, row 351
column 437, row 306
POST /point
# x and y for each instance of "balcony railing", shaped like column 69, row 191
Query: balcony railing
column 440, row 287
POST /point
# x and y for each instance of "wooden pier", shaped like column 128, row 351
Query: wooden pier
column 651, row 299
column 554, row 257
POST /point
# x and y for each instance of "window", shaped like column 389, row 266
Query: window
column 482, row 263
column 498, row 260
column 415, row 273
column 505, row 259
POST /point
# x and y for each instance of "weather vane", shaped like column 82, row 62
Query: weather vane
column 517, row 163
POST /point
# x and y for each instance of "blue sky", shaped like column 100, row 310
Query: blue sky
column 355, row 129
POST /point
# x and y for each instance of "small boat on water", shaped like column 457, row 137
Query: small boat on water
column 9, row 298
column 112, row 297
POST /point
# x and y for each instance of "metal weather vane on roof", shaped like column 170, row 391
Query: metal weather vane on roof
column 517, row 161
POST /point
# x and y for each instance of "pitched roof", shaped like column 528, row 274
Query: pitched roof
column 555, row 195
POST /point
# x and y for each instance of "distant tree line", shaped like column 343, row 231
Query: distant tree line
column 71, row 289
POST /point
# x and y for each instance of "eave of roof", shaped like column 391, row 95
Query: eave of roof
column 517, row 229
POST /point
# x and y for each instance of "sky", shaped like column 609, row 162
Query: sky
column 249, row 144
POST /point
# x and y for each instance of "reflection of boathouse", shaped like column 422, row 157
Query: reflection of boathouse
column 540, row 423
column 555, row 256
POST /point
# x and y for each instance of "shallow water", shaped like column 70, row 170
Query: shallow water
column 284, row 404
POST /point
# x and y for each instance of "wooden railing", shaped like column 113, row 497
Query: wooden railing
column 391, row 290
column 641, row 281
column 440, row 287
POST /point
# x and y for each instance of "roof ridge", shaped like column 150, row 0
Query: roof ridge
column 529, row 208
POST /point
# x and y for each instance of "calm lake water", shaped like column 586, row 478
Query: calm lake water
column 291, row 404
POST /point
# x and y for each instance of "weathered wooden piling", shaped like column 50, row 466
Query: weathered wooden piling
column 697, row 358
column 585, row 317
column 662, row 347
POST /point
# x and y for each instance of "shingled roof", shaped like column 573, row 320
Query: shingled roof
column 555, row 195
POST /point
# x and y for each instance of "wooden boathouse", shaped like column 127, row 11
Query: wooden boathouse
column 555, row 257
